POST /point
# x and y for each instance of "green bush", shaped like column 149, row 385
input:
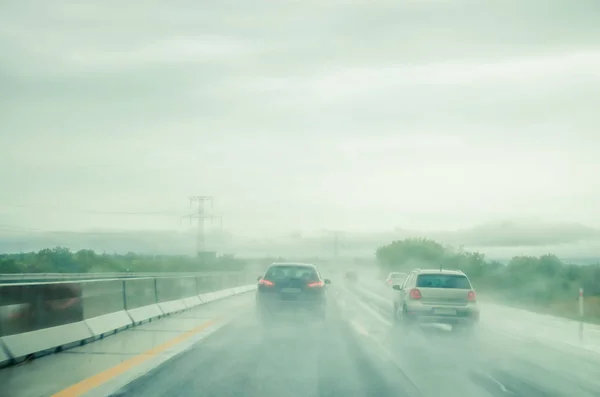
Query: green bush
column 532, row 280
column 62, row 260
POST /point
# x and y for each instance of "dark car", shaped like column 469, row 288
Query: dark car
column 291, row 288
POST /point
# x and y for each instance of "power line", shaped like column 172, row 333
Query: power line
column 90, row 211
column 336, row 242
column 201, row 215
column 11, row 228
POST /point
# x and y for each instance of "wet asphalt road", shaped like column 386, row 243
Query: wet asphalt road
column 298, row 358
column 357, row 354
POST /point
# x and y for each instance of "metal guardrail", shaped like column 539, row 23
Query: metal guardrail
column 33, row 277
column 49, row 315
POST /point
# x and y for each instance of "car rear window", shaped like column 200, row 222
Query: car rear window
column 443, row 281
column 291, row 271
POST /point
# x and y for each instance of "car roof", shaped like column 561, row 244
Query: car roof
column 293, row 264
column 438, row 271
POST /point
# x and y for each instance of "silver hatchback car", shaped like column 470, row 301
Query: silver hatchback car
column 436, row 296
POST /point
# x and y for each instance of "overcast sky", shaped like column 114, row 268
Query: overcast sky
column 299, row 115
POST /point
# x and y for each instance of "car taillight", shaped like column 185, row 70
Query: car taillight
column 389, row 281
column 316, row 284
column 266, row 283
column 415, row 294
column 471, row 296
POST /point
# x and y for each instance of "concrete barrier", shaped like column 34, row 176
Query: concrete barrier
column 247, row 288
column 171, row 291
column 220, row 294
column 213, row 296
column 46, row 341
column 171, row 307
column 207, row 297
column 140, row 300
column 40, row 318
column 4, row 357
column 206, row 284
column 104, row 306
column 192, row 301
column 230, row 291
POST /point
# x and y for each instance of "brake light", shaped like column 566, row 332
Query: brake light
column 266, row 283
column 389, row 281
column 471, row 296
column 415, row 294
column 316, row 284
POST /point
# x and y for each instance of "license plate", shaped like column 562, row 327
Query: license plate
column 291, row 290
column 445, row 312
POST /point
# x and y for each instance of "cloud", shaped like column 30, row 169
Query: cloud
column 299, row 115
column 186, row 49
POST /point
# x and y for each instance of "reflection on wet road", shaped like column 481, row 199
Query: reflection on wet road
column 287, row 358
column 359, row 353
column 224, row 350
column 487, row 362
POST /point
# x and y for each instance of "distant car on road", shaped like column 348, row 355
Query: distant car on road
column 291, row 288
column 436, row 296
column 395, row 278
column 351, row 276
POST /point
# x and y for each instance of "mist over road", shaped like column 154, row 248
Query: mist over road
column 358, row 353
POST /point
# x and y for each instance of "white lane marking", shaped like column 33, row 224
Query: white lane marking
column 360, row 328
column 394, row 361
column 373, row 312
column 529, row 316
column 544, row 343
column 375, row 295
column 505, row 333
column 498, row 383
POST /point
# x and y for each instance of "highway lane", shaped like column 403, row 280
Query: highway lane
column 500, row 363
column 357, row 353
column 101, row 367
column 294, row 358
column 360, row 353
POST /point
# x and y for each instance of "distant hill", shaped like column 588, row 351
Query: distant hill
column 501, row 238
column 520, row 234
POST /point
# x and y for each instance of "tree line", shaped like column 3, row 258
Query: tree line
column 544, row 281
column 63, row 260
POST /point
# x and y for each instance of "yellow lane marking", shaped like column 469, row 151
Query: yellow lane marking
column 92, row 382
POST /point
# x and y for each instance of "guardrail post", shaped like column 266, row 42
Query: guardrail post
column 124, row 289
column 581, row 314
column 156, row 290
column 40, row 316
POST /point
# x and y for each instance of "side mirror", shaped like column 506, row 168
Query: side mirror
column 327, row 281
column 258, row 278
column 397, row 287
